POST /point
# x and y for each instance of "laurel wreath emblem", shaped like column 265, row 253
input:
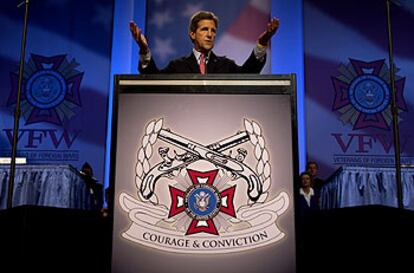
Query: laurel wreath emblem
column 145, row 152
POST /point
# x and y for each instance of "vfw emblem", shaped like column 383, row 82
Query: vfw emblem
column 363, row 97
column 51, row 89
column 203, row 198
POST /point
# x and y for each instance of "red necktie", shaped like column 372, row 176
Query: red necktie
column 202, row 64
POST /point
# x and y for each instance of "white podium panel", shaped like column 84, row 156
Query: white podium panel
column 203, row 170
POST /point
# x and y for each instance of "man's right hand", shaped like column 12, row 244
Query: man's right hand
column 139, row 37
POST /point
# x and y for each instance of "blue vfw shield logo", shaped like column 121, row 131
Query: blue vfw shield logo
column 362, row 94
column 50, row 89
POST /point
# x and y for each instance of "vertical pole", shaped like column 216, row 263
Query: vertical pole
column 17, row 111
column 394, row 112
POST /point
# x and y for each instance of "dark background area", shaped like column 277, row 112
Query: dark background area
column 358, row 239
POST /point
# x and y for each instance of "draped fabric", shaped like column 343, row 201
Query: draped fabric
column 45, row 185
column 359, row 186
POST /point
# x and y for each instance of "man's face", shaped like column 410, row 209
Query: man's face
column 313, row 169
column 204, row 36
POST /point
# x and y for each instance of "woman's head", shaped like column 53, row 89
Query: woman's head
column 305, row 179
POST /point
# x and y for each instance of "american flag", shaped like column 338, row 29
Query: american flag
column 240, row 23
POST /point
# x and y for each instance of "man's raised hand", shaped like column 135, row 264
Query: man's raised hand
column 271, row 29
column 136, row 33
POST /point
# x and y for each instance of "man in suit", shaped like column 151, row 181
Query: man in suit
column 317, row 183
column 202, row 32
column 94, row 187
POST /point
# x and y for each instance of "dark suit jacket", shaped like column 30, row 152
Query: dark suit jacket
column 215, row 64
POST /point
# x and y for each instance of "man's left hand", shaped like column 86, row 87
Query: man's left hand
column 271, row 29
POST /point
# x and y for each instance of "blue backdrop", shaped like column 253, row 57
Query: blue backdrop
column 347, row 83
column 286, row 50
column 66, row 81
column 75, row 48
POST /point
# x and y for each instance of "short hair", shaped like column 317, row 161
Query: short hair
column 201, row 15
column 85, row 166
column 305, row 173
column 311, row 162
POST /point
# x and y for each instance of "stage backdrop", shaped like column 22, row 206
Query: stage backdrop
column 240, row 23
column 66, row 79
column 348, row 98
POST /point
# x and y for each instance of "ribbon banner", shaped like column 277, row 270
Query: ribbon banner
column 147, row 219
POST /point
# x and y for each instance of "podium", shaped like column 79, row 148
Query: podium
column 203, row 171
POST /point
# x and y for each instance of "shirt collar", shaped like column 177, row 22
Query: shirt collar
column 197, row 55
column 302, row 192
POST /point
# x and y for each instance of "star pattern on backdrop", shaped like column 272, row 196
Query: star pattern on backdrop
column 161, row 18
column 190, row 9
column 163, row 48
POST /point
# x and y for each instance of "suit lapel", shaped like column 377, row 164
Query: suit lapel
column 212, row 63
column 192, row 65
